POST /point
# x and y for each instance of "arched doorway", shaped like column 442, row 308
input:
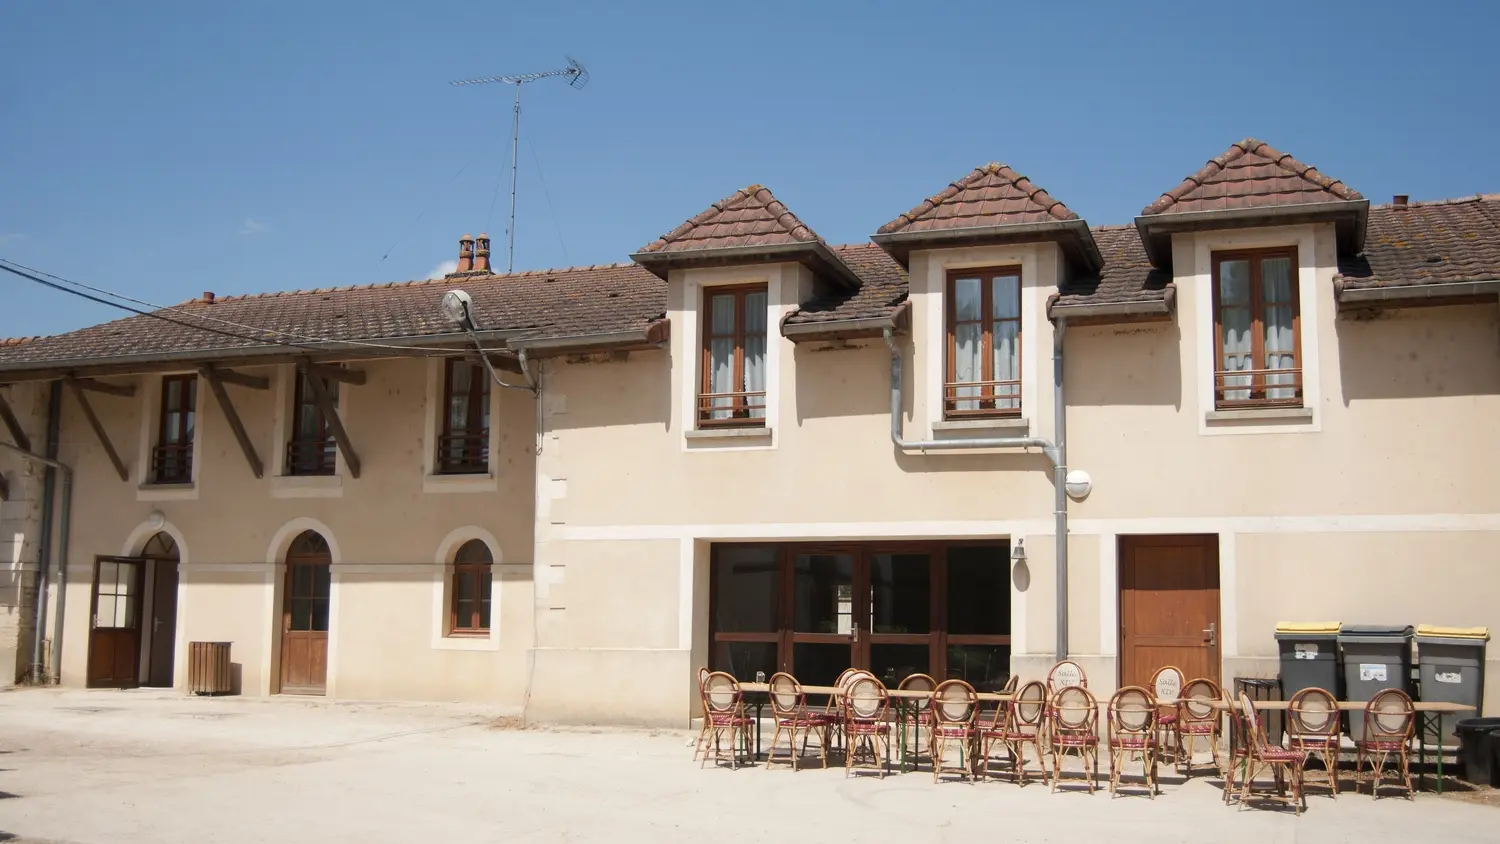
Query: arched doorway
column 304, row 616
column 128, row 591
column 161, row 556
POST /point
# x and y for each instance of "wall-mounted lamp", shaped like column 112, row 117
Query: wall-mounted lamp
column 156, row 519
column 1078, row 484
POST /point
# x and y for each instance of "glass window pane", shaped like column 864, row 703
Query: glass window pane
column 721, row 376
column 104, row 611
column 979, row 590
column 473, row 551
column 108, row 576
column 1234, row 282
column 1005, row 294
column 824, row 593
column 301, row 581
column 721, row 308
column 1007, row 363
column 321, row 580
column 301, row 613
column 486, row 586
column 985, row 667
column 755, row 313
column 319, row 615
column 1276, row 280
column 465, row 587
column 125, row 611
column 747, row 582
column 893, row 663
column 755, row 371
column 743, row 659
column 819, row 664
column 966, row 299
column 464, row 615
column 900, row 593
column 1236, row 353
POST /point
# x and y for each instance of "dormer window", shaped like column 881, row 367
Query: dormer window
column 733, row 387
column 1256, row 329
column 984, row 343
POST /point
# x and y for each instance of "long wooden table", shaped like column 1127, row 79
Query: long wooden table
column 1429, row 717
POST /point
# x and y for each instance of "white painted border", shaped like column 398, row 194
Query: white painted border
column 281, row 542
column 1109, row 595
column 442, row 571
column 284, row 485
column 1229, row 598
column 780, row 299
column 432, row 411
column 150, row 397
column 686, row 557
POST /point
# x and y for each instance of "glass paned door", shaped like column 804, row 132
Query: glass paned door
column 899, row 615
column 824, row 624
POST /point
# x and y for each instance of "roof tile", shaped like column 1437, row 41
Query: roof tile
column 1447, row 241
column 990, row 195
column 750, row 216
column 1251, row 174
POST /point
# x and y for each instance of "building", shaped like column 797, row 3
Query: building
column 751, row 449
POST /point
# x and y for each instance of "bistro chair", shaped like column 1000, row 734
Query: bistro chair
column 1132, row 733
column 1166, row 686
column 1313, row 727
column 1285, row 764
column 1389, row 722
column 954, row 707
column 866, row 730
column 833, row 708
column 1197, row 720
column 703, row 708
column 1236, row 759
column 916, row 712
column 793, row 720
column 1021, row 725
column 1073, row 728
column 725, row 705
column 1064, row 674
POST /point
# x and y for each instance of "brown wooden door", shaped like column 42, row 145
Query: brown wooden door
column 115, row 623
column 1169, row 606
column 304, row 617
column 163, row 623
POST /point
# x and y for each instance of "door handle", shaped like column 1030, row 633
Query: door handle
column 856, row 631
column 1211, row 635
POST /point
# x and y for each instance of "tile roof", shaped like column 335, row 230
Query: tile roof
column 1127, row 276
column 988, row 196
column 883, row 288
column 1447, row 241
column 1250, row 174
column 750, row 216
column 540, row 304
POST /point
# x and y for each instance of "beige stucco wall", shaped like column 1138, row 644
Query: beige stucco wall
column 389, row 530
column 20, row 532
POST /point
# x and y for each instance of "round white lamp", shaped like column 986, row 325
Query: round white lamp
column 156, row 519
column 1078, row 484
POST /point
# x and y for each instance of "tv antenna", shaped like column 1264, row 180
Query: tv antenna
column 577, row 77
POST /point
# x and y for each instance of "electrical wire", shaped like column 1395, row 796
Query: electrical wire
column 158, row 309
column 548, row 194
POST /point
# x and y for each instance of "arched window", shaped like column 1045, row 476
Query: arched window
column 471, row 589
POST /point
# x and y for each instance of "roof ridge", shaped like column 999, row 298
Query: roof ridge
column 1034, row 192
column 20, row 341
column 780, row 213
column 1453, row 200
column 1237, row 150
column 269, row 294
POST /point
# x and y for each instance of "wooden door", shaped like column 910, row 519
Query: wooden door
column 115, row 623
column 824, row 629
column 304, row 617
column 1169, row 606
column 163, row 623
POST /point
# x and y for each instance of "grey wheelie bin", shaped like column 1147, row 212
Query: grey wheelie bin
column 1450, row 662
column 1309, row 656
column 1376, row 657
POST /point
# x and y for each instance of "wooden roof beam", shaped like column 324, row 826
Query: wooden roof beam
column 77, row 388
column 331, row 413
column 216, row 379
column 13, row 425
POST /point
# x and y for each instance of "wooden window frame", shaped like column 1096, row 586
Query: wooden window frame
column 744, row 401
column 474, row 438
column 325, row 450
column 1258, row 373
column 172, row 456
column 987, row 384
column 473, row 627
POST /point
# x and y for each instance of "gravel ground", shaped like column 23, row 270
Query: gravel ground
column 120, row 767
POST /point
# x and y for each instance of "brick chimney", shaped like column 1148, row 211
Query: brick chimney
column 208, row 297
column 465, row 253
column 482, row 253
column 1399, row 200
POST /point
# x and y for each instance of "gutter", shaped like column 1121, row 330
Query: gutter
column 62, row 551
column 1056, row 452
column 1443, row 290
column 1076, row 226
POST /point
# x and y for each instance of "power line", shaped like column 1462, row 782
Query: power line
column 548, row 194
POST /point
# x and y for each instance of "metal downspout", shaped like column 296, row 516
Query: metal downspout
column 62, row 554
column 44, row 544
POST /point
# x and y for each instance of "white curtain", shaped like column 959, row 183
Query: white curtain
column 968, row 361
column 1006, row 311
column 755, row 350
column 1280, row 340
column 721, row 355
column 1235, row 323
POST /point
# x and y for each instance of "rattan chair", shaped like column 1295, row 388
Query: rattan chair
column 1073, row 729
column 833, row 708
column 1021, row 724
column 1236, row 760
column 1285, row 764
column 793, row 720
column 954, row 707
column 1166, row 687
column 725, row 705
column 1064, row 674
column 867, row 732
column 1132, row 734
column 1389, row 722
column 1312, row 721
column 1197, row 721
column 918, row 718
column 703, row 731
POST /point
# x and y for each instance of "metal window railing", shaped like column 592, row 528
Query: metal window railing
column 311, row 457
column 1258, row 388
column 982, row 398
column 745, row 407
column 464, row 453
column 172, row 463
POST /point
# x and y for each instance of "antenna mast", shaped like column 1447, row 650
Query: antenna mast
column 577, row 77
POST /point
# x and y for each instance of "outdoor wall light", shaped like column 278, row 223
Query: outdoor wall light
column 1078, row 484
column 156, row 520
column 456, row 307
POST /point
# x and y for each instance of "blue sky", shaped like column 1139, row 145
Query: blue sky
column 167, row 149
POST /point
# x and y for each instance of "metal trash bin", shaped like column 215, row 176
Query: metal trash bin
column 1309, row 656
column 1258, row 688
column 1376, row 657
column 1450, row 664
column 1477, row 750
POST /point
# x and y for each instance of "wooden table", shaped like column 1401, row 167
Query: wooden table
column 901, row 696
column 1428, row 717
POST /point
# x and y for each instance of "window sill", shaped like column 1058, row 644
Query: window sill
column 1017, row 424
column 1261, row 414
column 467, row 642
column 167, row 492
column 729, row 433
column 482, row 482
column 307, row 486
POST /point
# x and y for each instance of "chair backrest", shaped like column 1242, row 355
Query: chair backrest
column 1196, row 701
column 1166, row 684
column 954, row 702
column 1064, row 674
column 865, row 698
column 1313, row 712
column 702, row 675
column 786, row 695
column 853, row 674
column 918, row 683
column 1132, row 711
column 1389, row 716
column 1029, row 706
column 1074, row 710
column 1250, row 723
column 721, row 692
column 843, row 676
column 1012, row 683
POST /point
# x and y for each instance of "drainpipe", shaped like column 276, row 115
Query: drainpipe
column 44, row 543
column 62, row 560
column 1055, row 452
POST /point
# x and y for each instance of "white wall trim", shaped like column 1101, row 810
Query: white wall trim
column 150, row 398
column 685, row 559
column 1109, row 595
column 442, row 571
column 282, row 541
column 780, row 299
column 142, row 533
column 1229, row 598
column 276, row 556
column 433, row 411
